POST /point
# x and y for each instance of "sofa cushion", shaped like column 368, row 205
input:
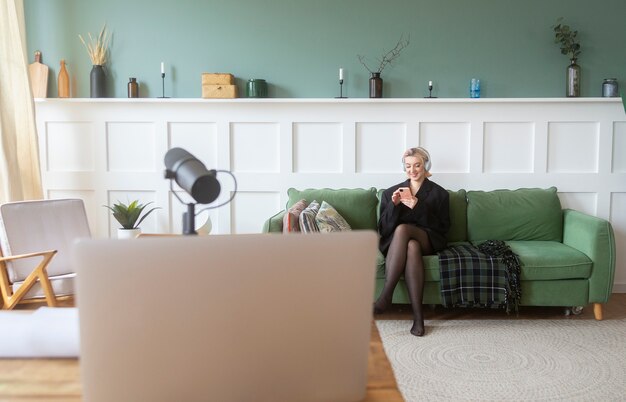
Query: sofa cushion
column 358, row 206
column 549, row 260
column 307, row 218
column 431, row 268
column 458, row 216
column 329, row 220
column 291, row 219
column 523, row 214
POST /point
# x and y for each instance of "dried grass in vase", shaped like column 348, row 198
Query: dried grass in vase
column 97, row 49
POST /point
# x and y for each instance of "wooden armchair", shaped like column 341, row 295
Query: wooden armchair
column 31, row 234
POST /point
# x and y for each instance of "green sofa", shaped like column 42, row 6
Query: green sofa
column 568, row 257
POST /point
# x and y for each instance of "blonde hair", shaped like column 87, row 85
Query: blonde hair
column 423, row 154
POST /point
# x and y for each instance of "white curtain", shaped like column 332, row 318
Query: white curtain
column 20, row 177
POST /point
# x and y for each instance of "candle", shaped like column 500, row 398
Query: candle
column 341, row 73
column 162, row 68
column 430, row 83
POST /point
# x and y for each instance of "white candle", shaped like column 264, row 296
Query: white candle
column 341, row 73
column 430, row 83
column 162, row 68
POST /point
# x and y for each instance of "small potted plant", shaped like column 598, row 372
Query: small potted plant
column 570, row 47
column 130, row 217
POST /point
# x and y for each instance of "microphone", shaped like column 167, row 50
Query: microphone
column 191, row 175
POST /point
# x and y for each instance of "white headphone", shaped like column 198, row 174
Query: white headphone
column 424, row 154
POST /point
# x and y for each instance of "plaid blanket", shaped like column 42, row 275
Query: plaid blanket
column 483, row 276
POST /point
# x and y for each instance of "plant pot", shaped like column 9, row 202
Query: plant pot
column 376, row 86
column 97, row 82
column 128, row 233
column 573, row 79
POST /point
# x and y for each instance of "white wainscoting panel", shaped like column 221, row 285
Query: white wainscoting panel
column 69, row 146
column 255, row 147
column 583, row 202
column 251, row 209
column 619, row 145
column 450, row 142
column 102, row 150
column 198, row 138
column 317, row 147
column 509, row 148
column 573, row 147
column 131, row 147
column 379, row 147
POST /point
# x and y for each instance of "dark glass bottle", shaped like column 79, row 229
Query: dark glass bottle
column 376, row 86
column 133, row 88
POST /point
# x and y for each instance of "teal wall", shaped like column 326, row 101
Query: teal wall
column 299, row 45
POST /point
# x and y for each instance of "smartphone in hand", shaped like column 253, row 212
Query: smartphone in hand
column 405, row 193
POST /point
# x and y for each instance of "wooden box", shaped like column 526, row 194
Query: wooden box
column 219, row 91
column 217, row 79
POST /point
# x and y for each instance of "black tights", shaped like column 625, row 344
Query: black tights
column 408, row 246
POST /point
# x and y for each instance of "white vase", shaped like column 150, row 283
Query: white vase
column 128, row 233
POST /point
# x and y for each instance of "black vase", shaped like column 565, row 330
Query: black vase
column 376, row 86
column 97, row 82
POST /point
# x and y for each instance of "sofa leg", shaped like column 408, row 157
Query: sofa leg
column 597, row 311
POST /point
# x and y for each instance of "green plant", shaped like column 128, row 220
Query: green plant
column 130, row 216
column 564, row 35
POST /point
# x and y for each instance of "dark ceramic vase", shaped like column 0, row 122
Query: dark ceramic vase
column 97, row 82
column 376, row 86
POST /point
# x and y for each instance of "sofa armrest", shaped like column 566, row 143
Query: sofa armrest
column 594, row 237
column 274, row 224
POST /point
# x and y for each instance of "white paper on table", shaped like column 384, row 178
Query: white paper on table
column 46, row 332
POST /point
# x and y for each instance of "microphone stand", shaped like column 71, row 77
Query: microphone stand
column 189, row 220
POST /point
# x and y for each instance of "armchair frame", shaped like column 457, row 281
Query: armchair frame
column 10, row 299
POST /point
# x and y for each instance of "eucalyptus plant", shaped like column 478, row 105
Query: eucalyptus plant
column 130, row 216
column 566, row 37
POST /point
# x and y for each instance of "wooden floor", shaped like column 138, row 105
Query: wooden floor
column 615, row 309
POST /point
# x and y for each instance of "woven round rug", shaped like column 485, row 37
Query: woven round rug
column 496, row 360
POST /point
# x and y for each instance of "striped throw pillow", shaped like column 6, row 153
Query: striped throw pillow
column 307, row 218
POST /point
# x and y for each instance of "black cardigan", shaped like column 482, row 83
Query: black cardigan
column 432, row 213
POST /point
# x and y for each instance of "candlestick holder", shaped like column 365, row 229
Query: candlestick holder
column 340, row 91
column 430, row 92
column 163, row 87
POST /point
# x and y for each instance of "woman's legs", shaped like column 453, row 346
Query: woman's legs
column 414, row 280
column 404, row 256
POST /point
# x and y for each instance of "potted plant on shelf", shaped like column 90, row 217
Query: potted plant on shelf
column 376, row 83
column 130, row 217
column 570, row 47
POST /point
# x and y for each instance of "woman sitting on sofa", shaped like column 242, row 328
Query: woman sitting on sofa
column 414, row 220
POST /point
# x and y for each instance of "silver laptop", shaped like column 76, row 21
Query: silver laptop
column 226, row 317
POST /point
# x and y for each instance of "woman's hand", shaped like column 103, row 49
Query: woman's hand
column 409, row 202
column 395, row 197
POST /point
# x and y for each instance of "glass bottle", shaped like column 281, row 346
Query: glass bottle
column 573, row 79
column 376, row 86
column 133, row 88
column 609, row 87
